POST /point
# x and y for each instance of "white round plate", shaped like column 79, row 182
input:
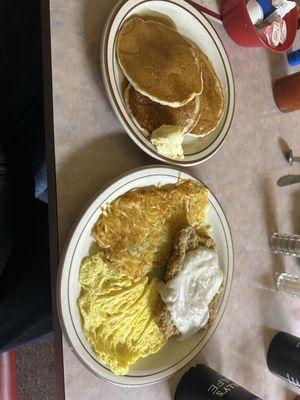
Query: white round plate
column 194, row 26
column 174, row 355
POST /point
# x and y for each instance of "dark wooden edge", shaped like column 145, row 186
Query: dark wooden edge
column 52, row 196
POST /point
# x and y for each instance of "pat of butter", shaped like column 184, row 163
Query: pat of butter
column 168, row 141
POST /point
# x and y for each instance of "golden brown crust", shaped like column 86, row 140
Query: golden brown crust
column 186, row 240
column 159, row 62
column 136, row 231
column 164, row 320
column 212, row 99
column 150, row 115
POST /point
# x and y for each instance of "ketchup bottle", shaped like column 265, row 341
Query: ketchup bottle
column 286, row 93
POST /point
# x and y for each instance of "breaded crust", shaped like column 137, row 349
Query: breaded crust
column 186, row 240
column 164, row 321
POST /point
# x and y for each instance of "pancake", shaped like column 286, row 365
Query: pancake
column 159, row 62
column 149, row 115
column 212, row 99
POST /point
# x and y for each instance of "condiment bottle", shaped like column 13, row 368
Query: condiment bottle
column 283, row 357
column 286, row 93
column 294, row 58
column 203, row 383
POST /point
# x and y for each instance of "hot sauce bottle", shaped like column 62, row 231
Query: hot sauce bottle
column 286, row 93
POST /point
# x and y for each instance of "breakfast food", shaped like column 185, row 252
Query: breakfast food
column 135, row 233
column 118, row 314
column 192, row 283
column 168, row 141
column 159, row 62
column 188, row 295
column 186, row 239
column 155, row 274
column 212, row 100
column 171, row 82
column 149, row 115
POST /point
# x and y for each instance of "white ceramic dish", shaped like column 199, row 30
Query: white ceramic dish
column 194, row 26
column 174, row 355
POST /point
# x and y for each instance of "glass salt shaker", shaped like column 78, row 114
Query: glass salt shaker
column 289, row 284
column 288, row 245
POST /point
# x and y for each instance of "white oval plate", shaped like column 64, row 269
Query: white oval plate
column 194, row 26
column 174, row 355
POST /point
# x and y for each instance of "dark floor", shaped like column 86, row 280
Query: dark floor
column 36, row 374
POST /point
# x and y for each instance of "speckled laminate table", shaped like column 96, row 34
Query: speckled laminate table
column 91, row 148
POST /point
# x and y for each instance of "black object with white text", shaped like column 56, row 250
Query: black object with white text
column 203, row 383
column 284, row 357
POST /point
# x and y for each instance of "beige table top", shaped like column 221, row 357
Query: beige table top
column 92, row 148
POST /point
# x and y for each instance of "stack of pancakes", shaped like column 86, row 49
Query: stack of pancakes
column 170, row 81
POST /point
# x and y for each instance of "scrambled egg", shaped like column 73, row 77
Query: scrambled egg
column 168, row 141
column 118, row 314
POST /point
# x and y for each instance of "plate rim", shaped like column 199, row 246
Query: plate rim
column 62, row 262
column 110, row 93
